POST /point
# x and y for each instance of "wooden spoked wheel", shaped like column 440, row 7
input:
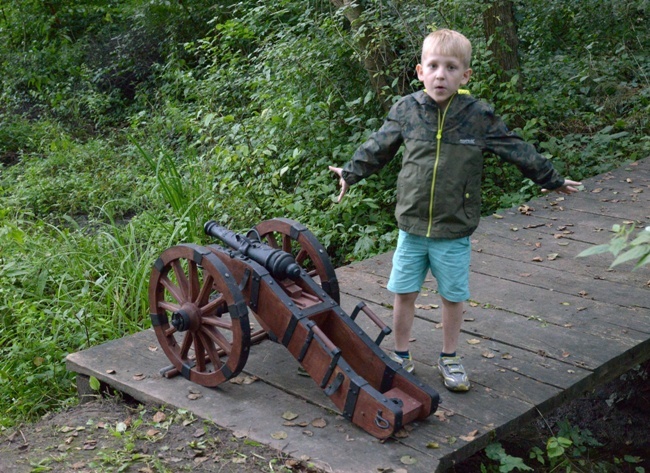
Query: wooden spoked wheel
column 199, row 315
column 296, row 239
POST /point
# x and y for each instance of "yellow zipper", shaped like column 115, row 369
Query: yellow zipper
column 441, row 124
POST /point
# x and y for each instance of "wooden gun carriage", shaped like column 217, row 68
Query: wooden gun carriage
column 200, row 298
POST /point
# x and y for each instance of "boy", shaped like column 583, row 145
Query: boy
column 445, row 133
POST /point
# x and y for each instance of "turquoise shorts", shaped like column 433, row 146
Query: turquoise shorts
column 448, row 261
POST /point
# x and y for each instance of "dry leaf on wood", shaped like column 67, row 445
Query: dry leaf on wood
column 289, row 415
column 319, row 423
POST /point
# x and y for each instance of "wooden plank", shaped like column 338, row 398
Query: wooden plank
column 253, row 410
column 536, row 247
column 561, row 281
column 590, row 341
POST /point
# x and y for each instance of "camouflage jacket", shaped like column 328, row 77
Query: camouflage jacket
column 439, row 184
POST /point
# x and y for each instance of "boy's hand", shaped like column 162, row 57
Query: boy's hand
column 344, row 185
column 569, row 187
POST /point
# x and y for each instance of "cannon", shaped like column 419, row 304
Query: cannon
column 201, row 296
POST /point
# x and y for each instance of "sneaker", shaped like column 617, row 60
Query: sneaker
column 453, row 373
column 407, row 363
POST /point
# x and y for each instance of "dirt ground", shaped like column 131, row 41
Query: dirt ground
column 116, row 435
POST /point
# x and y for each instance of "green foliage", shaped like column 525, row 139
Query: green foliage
column 571, row 449
column 507, row 463
column 624, row 250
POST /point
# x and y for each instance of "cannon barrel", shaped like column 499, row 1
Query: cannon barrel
column 279, row 263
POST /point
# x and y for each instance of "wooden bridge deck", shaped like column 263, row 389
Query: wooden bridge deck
column 542, row 327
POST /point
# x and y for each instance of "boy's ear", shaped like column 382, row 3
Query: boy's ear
column 466, row 75
column 419, row 71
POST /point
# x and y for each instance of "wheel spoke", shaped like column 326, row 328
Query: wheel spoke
column 301, row 256
column 218, row 338
column 174, row 290
column 181, row 277
column 194, row 283
column 271, row 241
column 217, row 322
column 213, row 353
column 204, row 295
column 286, row 243
column 185, row 346
column 170, row 331
column 199, row 351
column 211, row 307
column 168, row 306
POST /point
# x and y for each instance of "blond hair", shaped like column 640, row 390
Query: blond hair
column 449, row 43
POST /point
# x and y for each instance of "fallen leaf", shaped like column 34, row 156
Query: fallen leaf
column 408, row 460
column 152, row 432
column 469, row 437
column 433, row 445
column 279, row 435
column 89, row 445
column 497, row 216
column 487, row 354
column 473, row 341
column 152, row 348
column 110, row 371
column 289, row 415
column 194, row 396
column 401, row 434
column 553, row 256
column 506, row 356
column 319, row 423
column 159, row 417
column 427, row 306
column 308, row 433
column 538, row 259
column 139, row 377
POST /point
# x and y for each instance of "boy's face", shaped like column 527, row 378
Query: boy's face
column 442, row 75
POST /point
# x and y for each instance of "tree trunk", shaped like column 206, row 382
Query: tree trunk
column 376, row 58
column 501, row 34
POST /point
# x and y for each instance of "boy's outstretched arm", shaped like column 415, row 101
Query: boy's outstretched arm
column 344, row 185
column 567, row 188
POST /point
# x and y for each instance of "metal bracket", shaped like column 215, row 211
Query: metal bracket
column 308, row 340
column 336, row 354
column 336, row 384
